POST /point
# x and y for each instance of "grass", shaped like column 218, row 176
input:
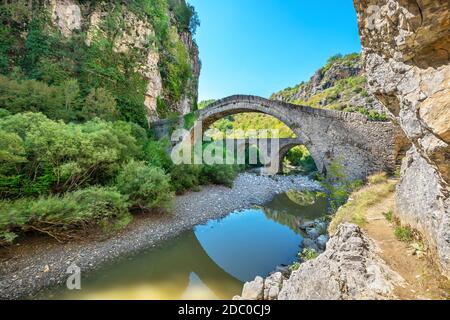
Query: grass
column 308, row 254
column 378, row 178
column 404, row 234
column 388, row 215
column 354, row 210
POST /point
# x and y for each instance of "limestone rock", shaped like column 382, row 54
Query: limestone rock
column 349, row 269
column 272, row 286
column 253, row 290
column 66, row 14
column 406, row 47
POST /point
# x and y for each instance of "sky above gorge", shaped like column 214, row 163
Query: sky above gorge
column 262, row 46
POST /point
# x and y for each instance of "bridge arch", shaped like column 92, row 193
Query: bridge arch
column 362, row 146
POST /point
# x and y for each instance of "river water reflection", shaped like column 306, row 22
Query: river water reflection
column 212, row 261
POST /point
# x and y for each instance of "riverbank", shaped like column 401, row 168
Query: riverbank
column 370, row 255
column 38, row 263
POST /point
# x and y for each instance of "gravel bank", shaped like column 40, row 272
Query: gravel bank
column 28, row 268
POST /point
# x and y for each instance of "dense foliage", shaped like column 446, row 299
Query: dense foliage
column 89, row 73
column 74, row 153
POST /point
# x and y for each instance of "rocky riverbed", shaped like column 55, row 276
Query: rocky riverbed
column 31, row 266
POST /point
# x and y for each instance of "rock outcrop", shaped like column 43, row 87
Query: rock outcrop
column 137, row 31
column 66, row 14
column 406, row 50
column 349, row 269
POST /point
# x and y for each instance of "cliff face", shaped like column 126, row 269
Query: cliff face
column 406, row 50
column 157, row 35
column 340, row 85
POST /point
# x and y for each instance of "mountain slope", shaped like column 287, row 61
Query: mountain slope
column 339, row 85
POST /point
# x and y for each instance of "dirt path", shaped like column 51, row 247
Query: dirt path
column 423, row 280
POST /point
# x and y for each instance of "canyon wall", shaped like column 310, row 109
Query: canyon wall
column 138, row 36
column 406, row 51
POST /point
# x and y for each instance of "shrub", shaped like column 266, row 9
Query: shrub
column 63, row 217
column 308, row 254
column 219, row 174
column 100, row 104
column 404, row 234
column 156, row 154
column 69, row 155
column 147, row 187
column 185, row 177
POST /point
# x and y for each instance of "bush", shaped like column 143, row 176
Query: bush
column 67, row 156
column 63, row 217
column 100, row 104
column 308, row 254
column 185, row 177
column 404, row 234
column 147, row 187
column 156, row 154
column 219, row 174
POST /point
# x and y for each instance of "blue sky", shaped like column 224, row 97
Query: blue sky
column 261, row 46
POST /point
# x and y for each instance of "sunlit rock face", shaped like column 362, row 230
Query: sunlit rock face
column 71, row 16
column 66, row 14
column 406, row 49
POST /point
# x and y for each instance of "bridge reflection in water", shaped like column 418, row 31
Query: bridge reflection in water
column 211, row 262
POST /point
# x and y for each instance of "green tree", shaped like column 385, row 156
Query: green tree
column 100, row 104
column 147, row 187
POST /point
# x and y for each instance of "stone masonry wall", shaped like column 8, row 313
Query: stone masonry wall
column 362, row 146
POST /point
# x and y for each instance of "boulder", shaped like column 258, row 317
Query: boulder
column 322, row 241
column 310, row 244
column 349, row 269
column 272, row 286
column 253, row 290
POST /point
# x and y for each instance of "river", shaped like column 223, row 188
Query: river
column 212, row 261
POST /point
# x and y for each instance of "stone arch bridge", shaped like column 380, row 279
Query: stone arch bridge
column 362, row 146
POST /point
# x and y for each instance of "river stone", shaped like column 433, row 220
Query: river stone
column 310, row 244
column 313, row 233
column 307, row 225
column 322, row 241
column 253, row 290
column 349, row 269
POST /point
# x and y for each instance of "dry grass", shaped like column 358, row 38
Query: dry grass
column 401, row 247
column 378, row 178
column 354, row 210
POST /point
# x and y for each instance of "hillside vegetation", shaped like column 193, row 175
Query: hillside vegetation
column 75, row 151
column 339, row 85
